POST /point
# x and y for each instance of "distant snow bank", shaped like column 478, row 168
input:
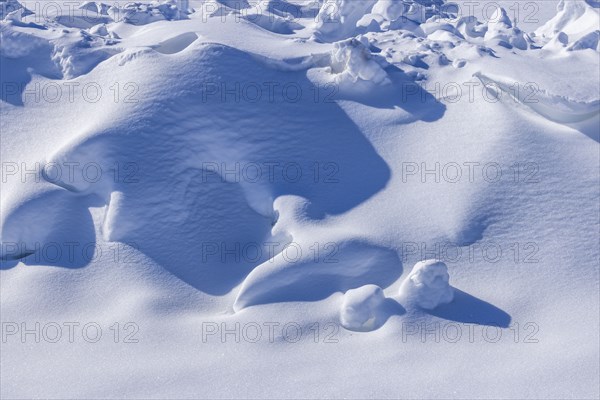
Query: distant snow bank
column 140, row 13
column 574, row 27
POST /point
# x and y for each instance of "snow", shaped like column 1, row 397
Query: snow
column 589, row 41
column 351, row 60
column 337, row 19
column 143, row 13
column 573, row 18
column 12, row 9
column 427, row 285
column 300, row 199
column 500, row 29
column 360, row 308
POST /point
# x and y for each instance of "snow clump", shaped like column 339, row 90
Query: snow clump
column 351, row 61
column 427, row 285
column 361, row 308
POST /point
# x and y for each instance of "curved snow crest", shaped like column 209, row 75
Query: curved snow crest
column 341, row 266
column 177, row 43
column 79, row 153
column 556, row 108
column 427, row 285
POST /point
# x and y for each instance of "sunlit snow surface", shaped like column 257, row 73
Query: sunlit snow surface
column 300, row 199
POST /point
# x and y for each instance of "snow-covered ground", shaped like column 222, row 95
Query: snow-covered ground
column 300, row 199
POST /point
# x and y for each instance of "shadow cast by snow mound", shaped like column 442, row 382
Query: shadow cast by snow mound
column 52, row 229
column 22, row 56
column 403, row 93
column 177, row 43
column 468, row 309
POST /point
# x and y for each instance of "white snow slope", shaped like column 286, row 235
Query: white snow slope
column 226, row 199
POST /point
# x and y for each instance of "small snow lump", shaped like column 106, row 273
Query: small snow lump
column 361, row 308
column 427, row 285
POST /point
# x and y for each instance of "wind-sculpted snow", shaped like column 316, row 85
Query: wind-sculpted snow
column 296, row 275
column 422, row 43
column 289, row 161
column 584, row 115
column 198, row 154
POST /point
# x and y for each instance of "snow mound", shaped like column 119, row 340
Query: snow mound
column 427, row 285
column 360, row 309
column 575, row 20
column 500, row 31
column 352, row 61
